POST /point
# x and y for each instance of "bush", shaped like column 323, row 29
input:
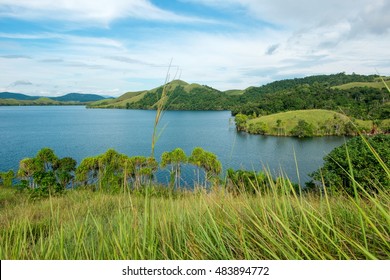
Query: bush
column 6, row 178
column 366, row 168
column 258, row 128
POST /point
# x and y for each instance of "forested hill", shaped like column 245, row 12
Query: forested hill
column 359, row 96
column 181, row 96
column 79, row 97
column 10, row 98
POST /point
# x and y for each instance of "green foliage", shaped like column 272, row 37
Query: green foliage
column 369, row 101
column 6, row 178
column 358, row 156
column 141, row 170
column 241, row 122
column 258, row 128
column 303, row 129
column 175, row 159
column 46, row 174
column 242, row 181
column 316, row 92
column 113, row 171
column 318, row 122
column 207, row 161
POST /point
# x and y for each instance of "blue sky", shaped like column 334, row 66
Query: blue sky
column 52, row 47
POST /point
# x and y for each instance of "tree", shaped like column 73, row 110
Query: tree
column 106, row 171
column 278, row 124
column 47, row 172
column 27, row 168
column 207, row 161
column 303, row 129
column 367, row 171
column 258, row 128
column 175, row 159
column 46, row 159
column 141, row 169
column 241, row 122
column 65, row 169
column 88, row 170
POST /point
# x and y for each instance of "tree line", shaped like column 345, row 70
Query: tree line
column 360, row 165
column 111, row 171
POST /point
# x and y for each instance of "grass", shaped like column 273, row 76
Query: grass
column 234, row 92
column 314, row 117
column 195, row 225
column 276, row 224
column 376, row 84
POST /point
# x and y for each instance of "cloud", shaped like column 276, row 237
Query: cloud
column 52, row 60
column 21, row 83
column 15, row 56
column 272, row 49
column 303, row 38
column 100, row 11
column 128, row 60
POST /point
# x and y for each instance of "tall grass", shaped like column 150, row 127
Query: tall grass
column 278, row 224
column 160, row 107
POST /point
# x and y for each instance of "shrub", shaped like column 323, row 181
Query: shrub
column 355, row 162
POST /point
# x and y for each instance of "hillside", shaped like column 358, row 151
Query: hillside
column 311, row 123
column 78, row 97
column 181, row 96
column 375, row 84
column 366, row 100
column 358, row 96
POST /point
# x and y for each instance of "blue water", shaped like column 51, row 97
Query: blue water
column 79, row 132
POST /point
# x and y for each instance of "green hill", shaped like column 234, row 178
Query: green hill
column 338, row 92
column 78, row 97
column 317, row 122
column 17, row 96
column 181, row 96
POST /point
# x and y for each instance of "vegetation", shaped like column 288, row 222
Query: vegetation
column 179, row 96
column 9, row 99
column 274, row 224
column 246, row 216
column 357, row 96
column 109, row 207
column 46, row 174
column 175, row 159
column 307, row 123
column 356, row 162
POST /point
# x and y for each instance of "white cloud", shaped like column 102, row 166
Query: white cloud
column 307, row 37
column 100, row 11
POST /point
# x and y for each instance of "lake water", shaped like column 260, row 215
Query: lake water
column 79, row 132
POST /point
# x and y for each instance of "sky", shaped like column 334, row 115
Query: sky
column 109, row 47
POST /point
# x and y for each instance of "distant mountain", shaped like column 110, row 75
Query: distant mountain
column 78, row 97
column 11, row 98
column 17, row 96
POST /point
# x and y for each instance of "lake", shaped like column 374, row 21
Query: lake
column 79, row 132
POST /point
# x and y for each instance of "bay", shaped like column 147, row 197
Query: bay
column 79, row 132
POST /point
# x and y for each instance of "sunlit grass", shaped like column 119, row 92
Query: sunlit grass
column 279, row 224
